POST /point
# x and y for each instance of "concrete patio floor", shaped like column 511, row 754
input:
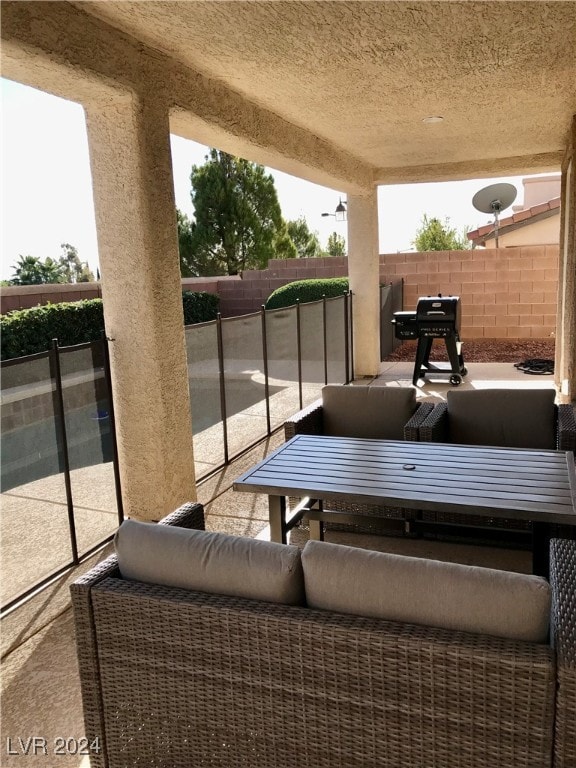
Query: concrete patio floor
column 40, row 688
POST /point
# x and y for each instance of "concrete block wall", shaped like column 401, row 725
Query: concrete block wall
column 506, row 292
column 256, row 285
column 26, row 296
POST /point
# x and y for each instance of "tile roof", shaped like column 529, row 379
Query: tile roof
column 518, row 219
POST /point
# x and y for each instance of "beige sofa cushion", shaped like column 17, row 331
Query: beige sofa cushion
column 419, row 591
column 366, row 411
column 512, row 418
column 210, row 562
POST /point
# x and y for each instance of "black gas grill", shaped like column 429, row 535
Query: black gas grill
column 436, row 317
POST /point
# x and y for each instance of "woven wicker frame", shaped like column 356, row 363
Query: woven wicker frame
column 181, row 679
column 563, row 637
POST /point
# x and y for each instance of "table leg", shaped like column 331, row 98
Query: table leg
column 277, row 517
column 541, row 549
column 316, row 530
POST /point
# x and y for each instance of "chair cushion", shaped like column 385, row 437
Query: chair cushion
column 366, row 411
column 420, row 591
column 210, row 562
column 519, row 418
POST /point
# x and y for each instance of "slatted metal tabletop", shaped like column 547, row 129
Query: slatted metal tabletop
column 525, row 484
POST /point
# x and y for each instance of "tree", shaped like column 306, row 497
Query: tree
column 434, row 235
column 284, row 247
column 306, row 242
column 30, row 270
column 336, row 245
column 238, row 223
column 194, row 262
column 74, row 270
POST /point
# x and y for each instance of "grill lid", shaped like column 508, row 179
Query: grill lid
column 438, row 309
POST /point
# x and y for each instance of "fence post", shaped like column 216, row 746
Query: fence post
column 61, row 432
column 223, row 412
column 115, row 461
column 324, row 339
column 299, row 353
column 346, row 341
column 265, row 365
column 350, row 332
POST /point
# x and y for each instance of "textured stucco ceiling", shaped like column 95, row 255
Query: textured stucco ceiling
column 362, row 75
column 331, row 91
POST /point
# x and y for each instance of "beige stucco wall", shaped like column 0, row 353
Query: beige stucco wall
column 135, row 209
column 543, row 232
column 363, row 274
column 539, row 189
column 565, row 368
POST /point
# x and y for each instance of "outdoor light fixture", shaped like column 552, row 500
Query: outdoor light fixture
column 340, row 214
column 431, row 119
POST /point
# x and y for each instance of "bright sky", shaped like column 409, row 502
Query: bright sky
column 47, row 192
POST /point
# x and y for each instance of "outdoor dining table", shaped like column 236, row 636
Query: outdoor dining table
column 519, row 484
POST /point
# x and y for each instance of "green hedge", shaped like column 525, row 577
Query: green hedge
column 27, row 331
column 307, row 290
column 199, row 307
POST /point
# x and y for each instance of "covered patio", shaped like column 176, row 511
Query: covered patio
column 337, row 93
column 41, row 686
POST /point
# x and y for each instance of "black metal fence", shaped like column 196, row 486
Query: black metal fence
column 61, row 498
column 60, row 484
column 248, row 374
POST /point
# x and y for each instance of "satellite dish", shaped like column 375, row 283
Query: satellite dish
column 493, row 199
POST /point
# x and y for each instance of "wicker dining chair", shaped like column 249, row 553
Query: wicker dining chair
column 510, row 418
column 374, row 412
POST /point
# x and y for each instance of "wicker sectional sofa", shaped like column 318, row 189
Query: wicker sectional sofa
column 178, row 677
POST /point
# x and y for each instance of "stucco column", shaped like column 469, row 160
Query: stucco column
column 137, row 242
column 364, row 276
column 565, row 357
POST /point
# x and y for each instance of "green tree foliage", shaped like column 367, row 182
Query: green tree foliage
column 283, row 246
column 336, row 245
column 188, row 265
column 238, row 223
column 30, row 270
column 307, row 290
column 74, row 270
column 434, row 235
column 306, row 242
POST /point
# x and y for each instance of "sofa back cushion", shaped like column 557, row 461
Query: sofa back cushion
column 420, row 591
column 366, row 411
column 210, row 562
column 519, row 418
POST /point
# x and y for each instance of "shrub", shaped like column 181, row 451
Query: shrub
column 307, row 290
column 27, row 331
column 199, row 307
